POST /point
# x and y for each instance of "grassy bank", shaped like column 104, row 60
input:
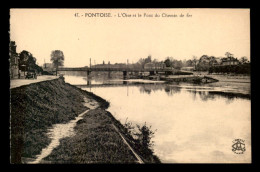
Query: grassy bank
column 36, row 107
column 96, row 141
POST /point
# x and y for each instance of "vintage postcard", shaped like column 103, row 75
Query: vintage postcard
column 130, row 86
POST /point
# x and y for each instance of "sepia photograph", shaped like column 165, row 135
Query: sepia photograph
column 130, row 86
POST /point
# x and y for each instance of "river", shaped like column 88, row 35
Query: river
column 192, row 123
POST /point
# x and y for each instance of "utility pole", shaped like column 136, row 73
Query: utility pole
column 90, row 63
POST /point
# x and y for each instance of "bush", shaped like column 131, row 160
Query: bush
column 237, row 69
column 183, row 73
column 145, row 134
column 142, row 135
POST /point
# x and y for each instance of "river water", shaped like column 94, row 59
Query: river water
column 192, row 123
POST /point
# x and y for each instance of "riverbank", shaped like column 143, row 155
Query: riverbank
column 96, row 141
column 35, row 108
column 234, row 84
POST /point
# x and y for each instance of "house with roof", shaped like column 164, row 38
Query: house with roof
column 229, row 61
column 217, row 61
column 153, row 65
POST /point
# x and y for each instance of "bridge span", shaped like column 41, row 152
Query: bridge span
column 124, row 70
column 116, row 69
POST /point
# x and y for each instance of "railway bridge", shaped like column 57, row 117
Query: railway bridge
column 125, row 71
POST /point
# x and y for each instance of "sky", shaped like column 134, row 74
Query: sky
column 117, row 39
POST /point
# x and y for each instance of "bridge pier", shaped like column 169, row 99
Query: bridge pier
column 125, row 74
column 109, row 74
column 168, row 72
column 151, row 72
column 88, row 82
column 88, row 72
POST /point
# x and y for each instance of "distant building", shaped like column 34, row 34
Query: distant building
column 14, row 60
column 188, row 68
column 225, row 61
column 152, row 65
column 229, row 61
column 48, row 67
column 217, row 61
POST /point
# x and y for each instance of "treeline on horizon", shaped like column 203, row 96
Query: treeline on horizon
column 211, row 64
column 238, row 69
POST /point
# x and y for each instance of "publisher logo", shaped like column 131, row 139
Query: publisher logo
column 238, row 146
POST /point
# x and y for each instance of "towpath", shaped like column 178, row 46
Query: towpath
column 20, row 82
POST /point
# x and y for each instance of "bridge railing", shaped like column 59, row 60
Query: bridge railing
column 117, row 69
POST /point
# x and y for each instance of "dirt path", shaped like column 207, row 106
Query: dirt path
column 59, row 131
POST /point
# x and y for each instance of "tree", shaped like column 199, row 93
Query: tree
column 27, row 61
column 143, row 61
column 194, row 60
column 177, row 64
column 212, row 60
column 228, row 54
column 145, row 135
column 243, row 59
column 57, row 58
column 189, row 63
column 205, row 62
column 148, row 59
column 167, row 62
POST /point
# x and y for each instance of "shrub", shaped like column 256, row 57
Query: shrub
column 237, row 69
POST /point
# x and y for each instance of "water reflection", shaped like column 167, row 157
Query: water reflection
column 212, row 95
column 188, row 129
column 194, row 123
column 148, row 88
column 203, row 95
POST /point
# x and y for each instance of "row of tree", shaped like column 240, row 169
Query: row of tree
column 239, row 69
column 204, row 63
column 27, row 62
column 201, row 64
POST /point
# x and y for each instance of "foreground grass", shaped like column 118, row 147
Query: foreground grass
column 35, row 108
column 96, row 141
